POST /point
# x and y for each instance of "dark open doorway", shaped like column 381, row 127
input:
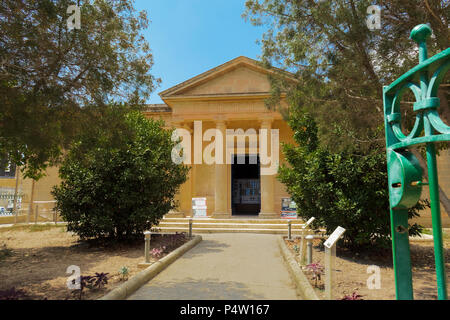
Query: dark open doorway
column 245, row 186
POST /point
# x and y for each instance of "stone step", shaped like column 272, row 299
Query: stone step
column 213, row 220
column 227, row 230
column 231, row 225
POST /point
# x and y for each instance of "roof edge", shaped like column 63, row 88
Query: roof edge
column 202, row 76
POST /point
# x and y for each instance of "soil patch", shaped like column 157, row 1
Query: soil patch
column 351, row 271
column 35, row 259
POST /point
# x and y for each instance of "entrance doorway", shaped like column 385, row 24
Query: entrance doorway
column 245, row 185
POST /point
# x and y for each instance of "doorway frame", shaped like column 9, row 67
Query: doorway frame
column 247, row 156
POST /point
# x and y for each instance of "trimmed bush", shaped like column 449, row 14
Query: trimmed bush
column 116, row 184
column 347, row 189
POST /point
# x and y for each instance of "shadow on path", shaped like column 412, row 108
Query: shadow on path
column 205, row 247
column 207, row 289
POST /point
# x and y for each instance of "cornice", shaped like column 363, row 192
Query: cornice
column 217, row 71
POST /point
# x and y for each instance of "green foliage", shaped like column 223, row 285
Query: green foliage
column 347, row 188
column 49, row 74
column 95, row 282
column 118, row 184
column 341, row 65
column 124, row 272
column 338, row 171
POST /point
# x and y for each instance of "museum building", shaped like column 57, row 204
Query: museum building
column 229, row 97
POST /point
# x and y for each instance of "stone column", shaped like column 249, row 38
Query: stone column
column 267, row 181
column 186, row 188
column 184, row 195
column 220, row 180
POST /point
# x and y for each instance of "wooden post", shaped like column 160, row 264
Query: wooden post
column 15, row 194
column 30, row 208
column 330, row 255
column 147, row 235
column 289, row 230
column 309, row 240
column 302, row 246
column 190, row 228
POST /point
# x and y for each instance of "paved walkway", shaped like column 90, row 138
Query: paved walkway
column 224, row 266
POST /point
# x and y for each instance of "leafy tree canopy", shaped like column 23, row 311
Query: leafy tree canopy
column 347, row 189
column 341, row 65
column 49, row 74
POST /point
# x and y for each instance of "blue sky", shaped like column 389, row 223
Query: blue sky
column 188, row 37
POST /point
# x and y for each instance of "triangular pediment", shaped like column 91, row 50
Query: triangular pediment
column 238, row 76
column 241, row 79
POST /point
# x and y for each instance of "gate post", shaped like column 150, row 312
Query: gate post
column 404, row 171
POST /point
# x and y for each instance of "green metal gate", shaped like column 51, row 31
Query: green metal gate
column 404, row 171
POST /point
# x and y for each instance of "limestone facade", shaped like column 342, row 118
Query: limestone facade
column 230, row 96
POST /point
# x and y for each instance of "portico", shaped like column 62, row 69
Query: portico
column 229, row 98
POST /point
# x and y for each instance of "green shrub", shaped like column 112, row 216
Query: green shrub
column 347, row 189
column 118, row 182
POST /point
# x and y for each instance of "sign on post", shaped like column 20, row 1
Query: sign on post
column 288, row 209
column 334, row 237
column 302, row 243
column 199, row 207
column 309, row 222
column 330, row 254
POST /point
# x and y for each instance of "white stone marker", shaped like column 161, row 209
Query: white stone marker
column 330, row 255
column 309, row 240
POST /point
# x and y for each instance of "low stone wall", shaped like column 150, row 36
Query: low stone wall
column 125, row 290
column 304, row 288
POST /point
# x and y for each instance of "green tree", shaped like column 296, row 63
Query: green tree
column 49, row 74
column 117, row 184
column 344, row 189
column 341, row 65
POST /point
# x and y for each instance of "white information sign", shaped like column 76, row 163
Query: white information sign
column 309, row 222
column 199, row 207
column 334, row 237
